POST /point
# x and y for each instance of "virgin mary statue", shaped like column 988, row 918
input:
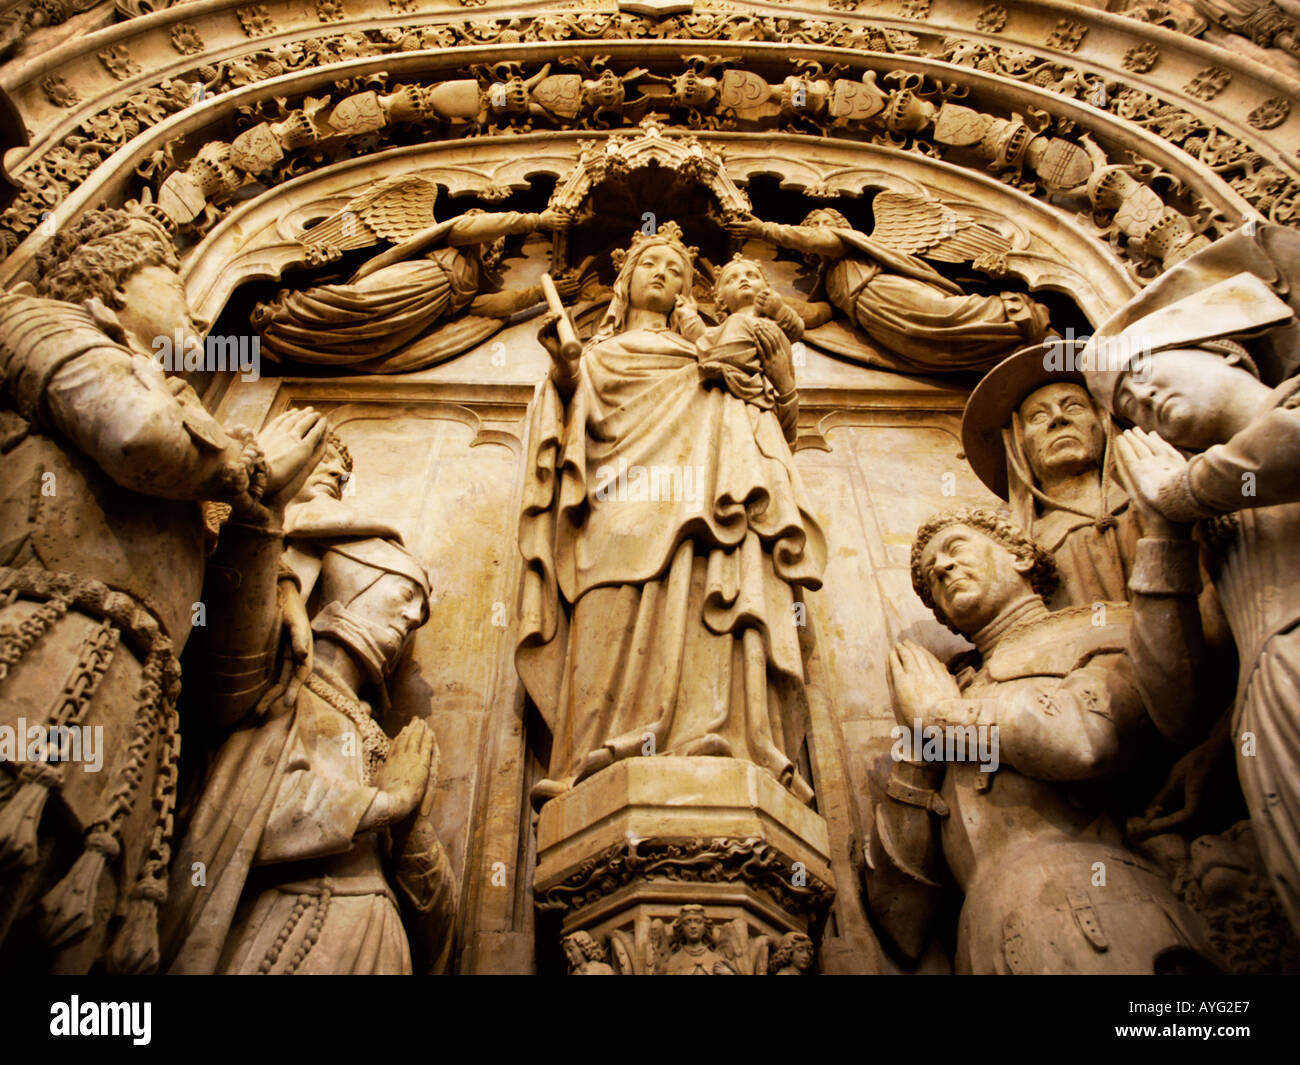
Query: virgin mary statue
column 667, row 542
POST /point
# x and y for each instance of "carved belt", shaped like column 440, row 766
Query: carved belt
column 912, row 795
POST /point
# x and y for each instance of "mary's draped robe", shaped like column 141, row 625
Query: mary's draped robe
column 666, row 542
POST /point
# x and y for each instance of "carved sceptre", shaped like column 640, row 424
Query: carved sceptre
column 569, row 347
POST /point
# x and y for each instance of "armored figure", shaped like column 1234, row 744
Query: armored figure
column 102, row 546
column 1021, row 833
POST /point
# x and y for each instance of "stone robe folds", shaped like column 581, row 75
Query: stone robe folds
column 926, row 321
column 277, row 838
column 666, row 541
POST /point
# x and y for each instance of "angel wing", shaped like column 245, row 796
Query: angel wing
column 733, row 943
column 917, row 225
column 621, row 951
column 394, row 210
column 659, row 947
column 759, row 952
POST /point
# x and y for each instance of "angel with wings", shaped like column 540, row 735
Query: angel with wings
column 382, row 319
column 920, row 321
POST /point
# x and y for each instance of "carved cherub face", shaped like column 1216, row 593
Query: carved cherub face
column 693, row 926
column 658, row 278
column 1184, row 394
column 397, row 607
column 1063, row 435
column 739, row 283
column 573, row 951
column 972, row 577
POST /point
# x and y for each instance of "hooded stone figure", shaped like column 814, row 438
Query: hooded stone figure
column 1035, row 437
column 289, row 835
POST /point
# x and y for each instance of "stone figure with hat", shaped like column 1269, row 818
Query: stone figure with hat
column 1200, row 365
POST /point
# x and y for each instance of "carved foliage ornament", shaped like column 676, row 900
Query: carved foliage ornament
column 753, row 861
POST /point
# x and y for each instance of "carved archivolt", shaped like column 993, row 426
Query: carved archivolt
column 1230, row 159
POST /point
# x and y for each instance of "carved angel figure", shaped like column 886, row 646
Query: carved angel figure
column 382, row 319
column 923, row 321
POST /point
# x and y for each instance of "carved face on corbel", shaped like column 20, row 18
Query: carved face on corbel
column 1063, row 433
column 692, row 925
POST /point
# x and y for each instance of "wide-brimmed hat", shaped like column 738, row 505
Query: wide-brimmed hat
column 1240, row 305
column 1000, row 393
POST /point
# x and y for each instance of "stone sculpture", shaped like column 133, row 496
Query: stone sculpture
column 103, row 550
column 692, row 951
column 586, row 957
column 1168, row 364
column 1024, row 851
column 290, row 824
column 793, row 956
column 643, row 546
column 923, row 321
column 1034, row 436
column 383, row 319
column 744, row 355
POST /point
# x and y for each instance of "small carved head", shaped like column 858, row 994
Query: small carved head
column 795, row 952
column 331, row 473
column 970, row 564
column 691, row 925
column 738, row 284
column 826, row 216
column 582, row 947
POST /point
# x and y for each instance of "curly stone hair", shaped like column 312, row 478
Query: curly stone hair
column 784, row 954
column 98, row 253
column 334, row 442
column 591, row 950
column 997, row 527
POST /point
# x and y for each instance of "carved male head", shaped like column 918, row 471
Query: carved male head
column 331, row 473
column 125, row 259
column 1189, row 395
column 1181, row 370
column 1061, row 431
column 971, row 565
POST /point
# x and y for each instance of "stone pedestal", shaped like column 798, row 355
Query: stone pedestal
column 622, row 854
